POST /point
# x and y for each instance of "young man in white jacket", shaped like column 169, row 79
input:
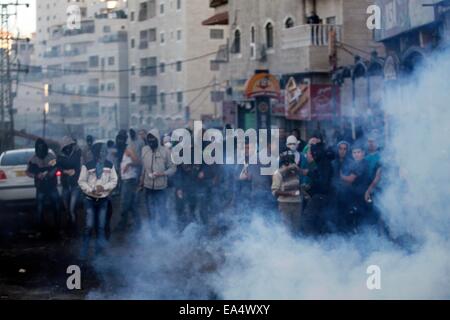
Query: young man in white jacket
column 98, row 178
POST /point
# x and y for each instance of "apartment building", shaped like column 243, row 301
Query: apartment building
column 82, row 48
column 286, row 38
column 173, row 61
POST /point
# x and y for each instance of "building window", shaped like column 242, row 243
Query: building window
column 269, row 35
column 162, row 38
column 143, row 11
column 152, row 35
column 146, row 36
column 178, row 4
column 132, row 16
column 180, row 100
column 148, row 66
column 161, row 8
column 133, row 70
column 179, row 66
column 178, row 35
column 152, row 8
column 252, row 35
column 111, row 61
column 216, row 34
column 93, row 61
column 133, row 97
column 331, row 20
column 162, row 67
column 289, row 23
column 148, row 95
column 237, row 42
column 111, row 86
column 162, row 100
column 132, row 43
column 106, row 29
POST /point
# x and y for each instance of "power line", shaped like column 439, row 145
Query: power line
column 55, row 68
column 112, row 97
column 353, row 47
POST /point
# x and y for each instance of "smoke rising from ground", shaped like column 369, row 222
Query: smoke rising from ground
column 260, row 260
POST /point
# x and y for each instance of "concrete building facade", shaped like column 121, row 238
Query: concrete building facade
column 285, row 38
column 84, row 65
column 171, row 53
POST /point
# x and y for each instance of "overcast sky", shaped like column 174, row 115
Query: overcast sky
column 26, row 18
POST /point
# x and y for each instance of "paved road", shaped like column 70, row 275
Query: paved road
column 32, row 268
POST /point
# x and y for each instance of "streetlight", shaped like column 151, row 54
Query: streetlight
column 46, row 110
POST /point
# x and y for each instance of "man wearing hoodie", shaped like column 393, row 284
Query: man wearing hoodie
column 69, row 163
column 86, row 154
column 42, row 167
column 315, row 219
column 157, row 166
column 98, row 178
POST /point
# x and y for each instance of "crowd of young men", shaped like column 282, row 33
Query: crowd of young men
column 317, row 189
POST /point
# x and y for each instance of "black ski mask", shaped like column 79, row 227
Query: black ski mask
column 41, row 149
column 89, row 140
column 318, row 152
column 152, row 141
column 99, row 152
column 69, row 149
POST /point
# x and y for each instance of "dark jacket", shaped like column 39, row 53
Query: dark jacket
column 321, row 174
column 43, row 162
column 69, row 162
column 320, row 177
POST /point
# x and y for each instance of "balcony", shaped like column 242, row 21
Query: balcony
column 119, row 36
column 85, row 27
column 93, row 90
column 306, row 47
column 309, row 35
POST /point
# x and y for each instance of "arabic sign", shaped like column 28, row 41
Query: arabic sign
column 262, row 85
column 312, row 102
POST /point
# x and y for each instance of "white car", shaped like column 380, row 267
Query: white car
column 14, row 183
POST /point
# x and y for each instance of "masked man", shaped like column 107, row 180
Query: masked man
column 42, row 167
column 98, row 178
column 157, row 166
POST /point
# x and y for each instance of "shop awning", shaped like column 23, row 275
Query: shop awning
column 219, row 18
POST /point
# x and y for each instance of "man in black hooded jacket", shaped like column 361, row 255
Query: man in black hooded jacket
column 316, row 213
column 42, row 167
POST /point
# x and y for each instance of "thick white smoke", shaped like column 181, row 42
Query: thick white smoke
column 260, row 260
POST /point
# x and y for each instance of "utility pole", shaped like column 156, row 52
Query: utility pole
column 6, row 94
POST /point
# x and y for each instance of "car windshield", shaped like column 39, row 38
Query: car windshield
column 16, row 158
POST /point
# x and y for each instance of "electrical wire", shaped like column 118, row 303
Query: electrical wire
column 54, row 68
column 50, row 91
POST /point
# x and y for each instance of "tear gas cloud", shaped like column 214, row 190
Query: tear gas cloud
column 258, row 259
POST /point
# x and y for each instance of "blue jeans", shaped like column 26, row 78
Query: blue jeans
column 96, row 210
column 53, row 196
column 70, row 198
column 156, row 201
column 128, row 201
